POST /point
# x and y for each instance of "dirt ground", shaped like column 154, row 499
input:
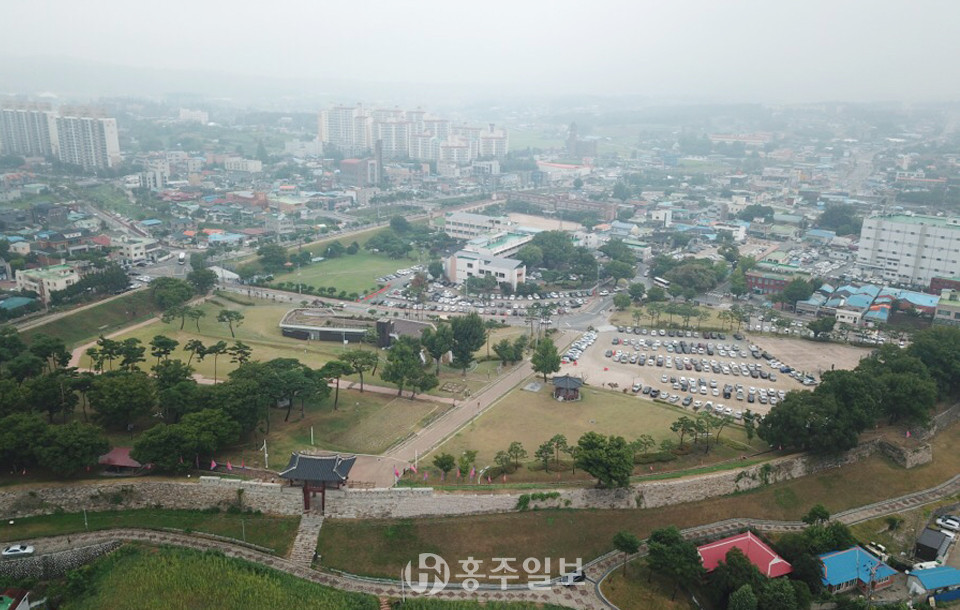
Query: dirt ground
column 811, row 356
column 547, row 224
column 596, row 369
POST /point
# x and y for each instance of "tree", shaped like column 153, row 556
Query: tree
column 51, row 350
column 516, row 452
column 400, row 225
column 545, row 358
column 435, row 269
column 21, row 438
column 668, row 553
column 360, row 361
column 743, row 599
column 272, row 257
column 131, row 353
column 169, row 292
column 164, row 446
column 240, row 352
column 119, row 397
column 821, row 326
column 438, row 342
column 938, row 348
column 841, row 219
column 210, row 430
column 161, row 347
column 335, row 369
column 444, row 462
column 559, row 443
column 216, row 350
column 636, row 291
column 619, row 270
column 231, row 317
column 738, row 283
column 531, row 255
column 502, row 459
column 196, row 349
column 609, row 459
column 817, row 515
column 683, row 426
column 69, row 448
column 195, row 313
column 655, row 294
column 621, row 191
column 798, row 289
column 53, row 393
column 543, row 454
column 504, row 351
column 777, row 594
column 469, row 335
column 403, row 363
column 202, row 280
column 621, row 300
column 466, row 461
column 627, row 543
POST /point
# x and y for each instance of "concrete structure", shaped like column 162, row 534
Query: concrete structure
column 359, row 172
column 239, row 164
column 194, row 116
column 466, row 225
column 28, row 130
column 948, row 309
column 46, row 280
column 932, row 545
column 499, row 244
column 910, row 249
column 465, row 264
column 314, row 324
column 90, row 142
column 136, row 249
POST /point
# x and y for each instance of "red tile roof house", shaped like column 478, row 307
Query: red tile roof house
column 759, row 554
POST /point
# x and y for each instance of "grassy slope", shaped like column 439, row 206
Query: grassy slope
column 272, row 532
column 357, row 273
column 587, row 533
column 83, row 326
column 631, row 589
column 169, row 579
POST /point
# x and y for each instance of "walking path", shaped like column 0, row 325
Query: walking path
column 305, row 544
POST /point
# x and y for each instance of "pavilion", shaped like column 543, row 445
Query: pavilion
column 318, row 473
column 567, row 388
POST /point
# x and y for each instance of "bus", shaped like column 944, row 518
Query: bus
column 659, row 281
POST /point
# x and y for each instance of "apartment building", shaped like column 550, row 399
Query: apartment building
column 88, row 141
column 910, row 249
column 136, row 249
column 465, row 264
column 465, row 225
column 46, row 280
column 28, row 130
column 239, row 164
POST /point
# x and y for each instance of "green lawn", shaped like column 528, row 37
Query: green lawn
column 167, row 578
column 351, row 273
column 383, row 547
column 533, row 417
column 635, row 589
column 272, row 532
column 84, row 326
column 535, row 138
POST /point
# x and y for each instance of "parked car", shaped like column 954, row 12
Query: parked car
column 947, row 522
column 571, row 579
column 18, row 550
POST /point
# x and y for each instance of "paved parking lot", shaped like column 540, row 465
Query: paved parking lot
column 600, row 370
column 812, row 356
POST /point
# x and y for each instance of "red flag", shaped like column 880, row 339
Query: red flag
column 181, row 459
column 504, row 477
column 488, row 479
column 413, row 467
column 424, row 475
column 396, row 472
column 908, row 434
column 213, row 465
column 241, row 464
column 229, row 465
column 458, row 473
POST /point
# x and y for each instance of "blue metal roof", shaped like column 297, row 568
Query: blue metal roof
column 852, row 564
column 938, row 578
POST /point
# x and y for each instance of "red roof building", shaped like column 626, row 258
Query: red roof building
column 119, row 457
column 767, row 561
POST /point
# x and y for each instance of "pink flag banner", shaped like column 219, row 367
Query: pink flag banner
column 229, row 466
column 213, row 465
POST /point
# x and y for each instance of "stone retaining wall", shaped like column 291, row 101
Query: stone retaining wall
column 271, row 498
column 54, row 565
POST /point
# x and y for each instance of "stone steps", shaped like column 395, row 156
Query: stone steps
column 305, row 544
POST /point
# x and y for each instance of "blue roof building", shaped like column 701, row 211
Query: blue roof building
column 941, row 582
column 854, row 568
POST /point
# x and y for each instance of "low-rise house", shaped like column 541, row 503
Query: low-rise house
column 942, row 583
column 753, row 548
column 854, row 568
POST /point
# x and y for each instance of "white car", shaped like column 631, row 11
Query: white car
column 18, row 550
column 947, row 523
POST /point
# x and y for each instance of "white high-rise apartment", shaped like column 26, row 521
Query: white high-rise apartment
column 90, row 142
column 28, row 131
column 910, row 249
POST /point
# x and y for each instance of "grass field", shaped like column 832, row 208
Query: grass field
column 352, row 273
column 83, row 326
column 168, row 579
column 532, row 138
column 272, row 532
column 534, row 417
column 588, row 533
column 631, row 590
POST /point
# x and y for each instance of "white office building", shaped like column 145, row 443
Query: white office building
column 465, row 225
column 910, row 249
column 465, row 264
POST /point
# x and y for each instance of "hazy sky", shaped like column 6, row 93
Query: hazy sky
column 748, row 50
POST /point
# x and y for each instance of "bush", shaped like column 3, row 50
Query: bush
column 658, row 456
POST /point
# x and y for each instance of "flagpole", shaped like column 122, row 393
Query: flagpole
column 266, row 456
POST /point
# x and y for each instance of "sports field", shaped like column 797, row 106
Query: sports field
column 351, row 273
